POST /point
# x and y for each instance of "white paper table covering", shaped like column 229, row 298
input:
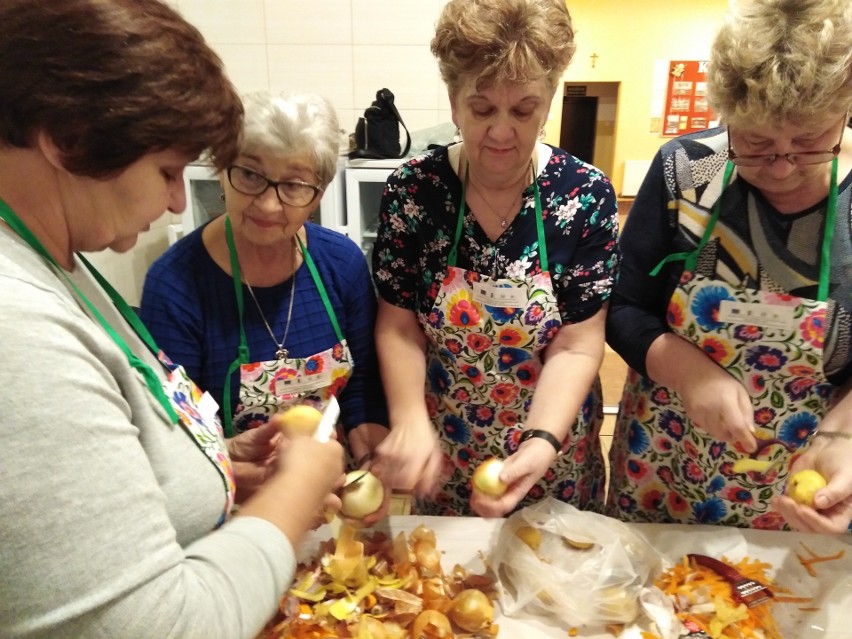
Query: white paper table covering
column 461, row 540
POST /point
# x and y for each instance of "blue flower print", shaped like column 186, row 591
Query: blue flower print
column 456, row 430
column 479, row 415
column 716, row 484
column 710, row 511
column 672, row 423
column 637, row 438
column 503, row 314
column 439, row 379
column 797, row 428
column 436, row 318
column 765, row 358
column 547, row 331
column 535, row 312
column 508, row 358
column 705, row 306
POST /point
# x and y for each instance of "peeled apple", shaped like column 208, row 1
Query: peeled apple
column 486, row 478
column 803, row 485
column 362, row 497
column 299, row 420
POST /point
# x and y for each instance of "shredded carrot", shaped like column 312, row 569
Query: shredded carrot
column 786, row 599
column 649, row 635
column 689, row 584
column 615, row 629
column 810, row 609
column 573, row 632
column 808, row 562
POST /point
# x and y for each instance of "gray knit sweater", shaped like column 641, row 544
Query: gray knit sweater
column 107, row 510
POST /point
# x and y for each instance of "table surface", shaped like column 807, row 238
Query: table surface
column 461, row 540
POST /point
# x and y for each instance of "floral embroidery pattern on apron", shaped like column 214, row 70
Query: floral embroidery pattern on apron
column 268, row 387
column 666, row 469
column 486, row 337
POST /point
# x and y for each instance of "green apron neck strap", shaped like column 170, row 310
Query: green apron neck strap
column 690, row 258
column 539, row 222
column 321, row 288
column 828, row 236
column 152, row 381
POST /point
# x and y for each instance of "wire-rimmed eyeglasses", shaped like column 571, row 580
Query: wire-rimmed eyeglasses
column 291, row 192
column 798, row 158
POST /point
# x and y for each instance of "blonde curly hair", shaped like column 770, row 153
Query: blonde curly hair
column 497, row 41
column 778, row 61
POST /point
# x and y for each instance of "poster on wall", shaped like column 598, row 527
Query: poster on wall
column 686, row 107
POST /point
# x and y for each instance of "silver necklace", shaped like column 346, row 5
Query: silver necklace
column 280, row 352
column 504, row 219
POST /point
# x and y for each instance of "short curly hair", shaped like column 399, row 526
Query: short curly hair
column 497, row 41
column 777, row 61
column 288, row 124
column 111, row 81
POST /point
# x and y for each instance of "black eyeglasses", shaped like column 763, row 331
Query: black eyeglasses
column 800, row 158
column 291, row 192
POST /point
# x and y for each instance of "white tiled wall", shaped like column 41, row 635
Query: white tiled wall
column 343, row 49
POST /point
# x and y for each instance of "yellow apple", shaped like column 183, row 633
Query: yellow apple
column 803, row 485
column 361, row 497
column 299, row 420
column 486, row 478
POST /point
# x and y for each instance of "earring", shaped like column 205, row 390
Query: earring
column 222, row 196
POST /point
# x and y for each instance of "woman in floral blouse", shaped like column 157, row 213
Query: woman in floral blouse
column 493, row 262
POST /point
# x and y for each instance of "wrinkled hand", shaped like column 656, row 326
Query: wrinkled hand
column 520, row 471
column 364, row 438
column 253, row 455
column 410, row 459
column 315, row 470
column 832, row 510
column 720, row 406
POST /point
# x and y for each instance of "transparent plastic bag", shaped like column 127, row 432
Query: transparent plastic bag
column 587, row 569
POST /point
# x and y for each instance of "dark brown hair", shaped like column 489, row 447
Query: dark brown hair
column 111, row 81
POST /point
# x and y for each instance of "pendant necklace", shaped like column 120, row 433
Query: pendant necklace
column 504, row 218
column 280, row 352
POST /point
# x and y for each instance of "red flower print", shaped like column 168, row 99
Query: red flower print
column 337, row 386
column 314, row 365
column 764, row 416
column 674, row 316
column 527, row 374
column 580, row 451
column 461, row 395
column 661, row 397
column 509, row 337
column 508, row 419
column 337, row 352
column 662, row 444
column 504, row 393
column 757, row 383
column 690, row 449
column 676, row 504
column 281, row 375
column 478, row 343
column 768, row 521
column 693, row 471
column 716, row 349
column 737, row 494
column 431, row 404
column 454, row 346
column 651, row 499
column 464, row 313
column 637, row 470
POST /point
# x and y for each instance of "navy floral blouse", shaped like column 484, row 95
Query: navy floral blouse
column 417, row 225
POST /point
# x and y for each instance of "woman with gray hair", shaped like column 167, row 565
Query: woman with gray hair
column 734, row 298
column 262, row 307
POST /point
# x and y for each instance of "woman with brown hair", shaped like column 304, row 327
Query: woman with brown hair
column 117, row 483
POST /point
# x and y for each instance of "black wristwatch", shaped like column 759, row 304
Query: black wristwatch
column 543, row 434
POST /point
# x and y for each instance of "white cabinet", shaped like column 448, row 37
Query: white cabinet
column 365, row 183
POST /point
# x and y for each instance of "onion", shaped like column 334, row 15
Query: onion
column 431, row 624
column 362, row 497
column 486, row 478
column 471, row 610
column 428, row 556
column 301, row 419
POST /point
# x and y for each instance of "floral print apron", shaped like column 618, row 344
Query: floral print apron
column 663, row 468
column 485, row 341
column 269, row 387
column 179, row 397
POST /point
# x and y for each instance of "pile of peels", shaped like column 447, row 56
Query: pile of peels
column 704, row 600
column 366, row 586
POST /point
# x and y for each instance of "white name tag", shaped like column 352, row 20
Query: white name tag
column 492, row 294
column 303, row 383
column 767, row 315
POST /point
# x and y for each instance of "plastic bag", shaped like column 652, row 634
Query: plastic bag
column 587, row 569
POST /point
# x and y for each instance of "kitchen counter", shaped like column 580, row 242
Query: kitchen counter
column 828, row 616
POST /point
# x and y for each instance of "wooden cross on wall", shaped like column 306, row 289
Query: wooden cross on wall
column 594, row 58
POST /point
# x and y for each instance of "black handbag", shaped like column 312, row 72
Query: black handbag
column 377, row 132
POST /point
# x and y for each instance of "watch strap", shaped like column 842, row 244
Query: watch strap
column 542, row 434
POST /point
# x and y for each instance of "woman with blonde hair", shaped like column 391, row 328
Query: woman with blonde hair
column 734, row 297
column 493, row 262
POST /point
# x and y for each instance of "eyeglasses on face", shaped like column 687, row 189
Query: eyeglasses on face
column 290, row 192
column 800, row 158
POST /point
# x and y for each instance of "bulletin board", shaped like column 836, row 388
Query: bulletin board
column 686, row 107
